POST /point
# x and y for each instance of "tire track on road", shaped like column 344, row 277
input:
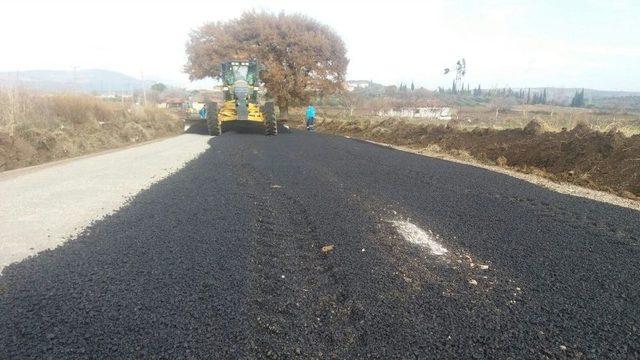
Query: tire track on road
column 297, row 297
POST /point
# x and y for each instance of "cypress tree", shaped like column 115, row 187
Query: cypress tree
column 578, row 99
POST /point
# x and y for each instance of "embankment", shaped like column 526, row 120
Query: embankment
column 37, row 128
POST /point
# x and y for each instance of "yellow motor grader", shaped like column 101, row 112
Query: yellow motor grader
column 241, row 108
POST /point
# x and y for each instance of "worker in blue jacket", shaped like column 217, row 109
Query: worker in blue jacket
column 203, row 112
column 311, row 116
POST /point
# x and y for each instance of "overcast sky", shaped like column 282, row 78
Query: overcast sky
column 570, row 43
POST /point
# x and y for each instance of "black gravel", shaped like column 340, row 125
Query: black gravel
column 224, row 260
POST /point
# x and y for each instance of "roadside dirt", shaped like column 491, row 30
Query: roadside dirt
column 603, row 161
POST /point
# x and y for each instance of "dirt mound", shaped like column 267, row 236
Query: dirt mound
column 14, row 151
column 604, row 161
column 581, row 128
column 536, row 127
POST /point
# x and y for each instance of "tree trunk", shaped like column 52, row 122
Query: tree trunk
column 284, row 112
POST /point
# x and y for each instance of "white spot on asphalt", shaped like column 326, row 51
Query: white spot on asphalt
column 416, row 235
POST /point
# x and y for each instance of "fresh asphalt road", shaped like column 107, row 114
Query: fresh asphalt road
column 224, row 259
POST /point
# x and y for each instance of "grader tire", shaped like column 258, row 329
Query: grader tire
column 270, row 122
column 214, row 127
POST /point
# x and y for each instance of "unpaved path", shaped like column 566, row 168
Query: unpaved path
column 314, row 246
column 44, row 205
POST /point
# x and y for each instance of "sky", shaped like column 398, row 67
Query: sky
column 559, row 43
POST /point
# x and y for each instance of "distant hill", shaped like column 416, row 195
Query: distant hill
column 90, row 81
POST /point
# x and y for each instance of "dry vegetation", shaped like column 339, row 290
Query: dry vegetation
column 36, row 128
column 607, row 161
column 495, row 116
column 554, row 118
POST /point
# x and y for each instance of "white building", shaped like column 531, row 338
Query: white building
column 439, row 113
column 358, row 84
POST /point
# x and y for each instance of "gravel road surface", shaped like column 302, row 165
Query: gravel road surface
column 44, row 205
column 313, row 246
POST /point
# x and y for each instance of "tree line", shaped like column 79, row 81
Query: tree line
column 526, row 96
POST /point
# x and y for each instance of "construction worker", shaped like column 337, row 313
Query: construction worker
column 203, row 112
column 311, row 116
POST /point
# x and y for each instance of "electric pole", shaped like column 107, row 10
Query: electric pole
column 75, row 79
column 144, row 92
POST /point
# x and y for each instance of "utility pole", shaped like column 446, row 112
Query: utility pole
column 461, row 71
column 144, row 92
column 75, row 79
